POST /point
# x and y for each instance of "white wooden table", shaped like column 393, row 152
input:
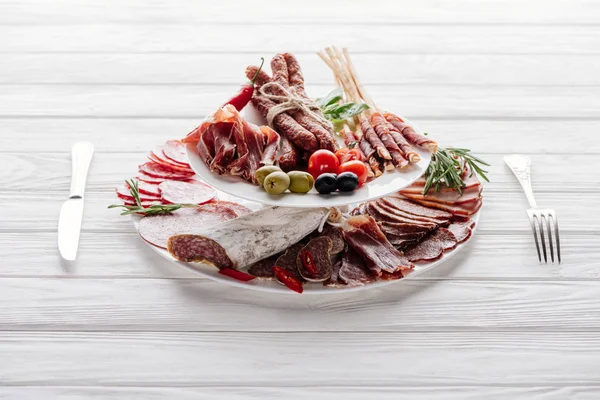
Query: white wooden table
column 121, row 323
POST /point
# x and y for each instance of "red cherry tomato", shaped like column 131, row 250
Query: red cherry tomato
column 357, row 167
column 345, row 155
column 322, row 161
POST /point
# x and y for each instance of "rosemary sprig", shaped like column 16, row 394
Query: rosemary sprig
column 154, row 209
column 447, row 166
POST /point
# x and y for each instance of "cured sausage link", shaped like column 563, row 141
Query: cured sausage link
column 380, row 125
column 288, row 161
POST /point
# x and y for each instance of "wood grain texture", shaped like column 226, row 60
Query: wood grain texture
column 216, row 37
column 348, row 392
column 271, row 359
column 460, row 12
column 193, row 305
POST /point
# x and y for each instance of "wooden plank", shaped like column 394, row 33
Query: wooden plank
column 191, row 305
column 348, row 392
column 399, row 70
column 139, row 135
column 191, row 101
column 51, row 172
column 124, row 254
column 268, row 359
column 270, row 11
column 361, row 38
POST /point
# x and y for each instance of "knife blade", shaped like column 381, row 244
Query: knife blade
column 71, row 212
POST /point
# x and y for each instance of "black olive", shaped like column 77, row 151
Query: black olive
column 347, row 181
column 326, row 183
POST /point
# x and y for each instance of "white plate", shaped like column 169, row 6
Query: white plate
column 272, row 286
column 387, row 183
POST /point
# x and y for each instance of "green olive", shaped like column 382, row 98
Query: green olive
column 262, row 173
column 300, row 181
column 276, row 182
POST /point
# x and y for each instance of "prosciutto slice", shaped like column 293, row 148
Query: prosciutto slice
column 247, row 239
column 447, row 197
column 382, row 205
column 228, row 144
column 380, row 125
column 416, row 209
column 383, row 215
column 363, row 234
column 411, row 134
column 465, row 210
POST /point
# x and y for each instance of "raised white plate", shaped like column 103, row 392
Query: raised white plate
column 273, row 286
column 387, row 183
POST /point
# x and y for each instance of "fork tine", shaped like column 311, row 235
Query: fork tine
column 553, row 215
column 540, row 223
column 547, row 218
column 535, row 239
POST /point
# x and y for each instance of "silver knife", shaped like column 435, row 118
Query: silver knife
column 71, row 212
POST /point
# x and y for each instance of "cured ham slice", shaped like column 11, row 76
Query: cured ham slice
column 228, row 144
column 380, row 125
column 382, row 205
column 432, row 247
column 471, row 182
column 461, row 230
column 375, row 211
column 363, row 234
column 370, row 135
column 405, row 147
column 463, row 211
column 353, row 271
column 446, row 197
column 415, row 209
column 247, row 239
column 410, row 134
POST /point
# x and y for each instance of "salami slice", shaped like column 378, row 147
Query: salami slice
column 287, row 260
column 149, row 179
column 151, row 189
column 239, row 209
column 314, row 260
column 158, row 171
column 175, row 151
column 264, row 268
column 157, row 229
column 186, row 192
column 124, row 194
column 194, row 248
column 144, row 203
column 335, row 234
column 168, row 165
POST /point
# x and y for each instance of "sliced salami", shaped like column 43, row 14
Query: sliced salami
column 175, row 151
column 335, row 234
column 157, row 229
column 194, row 248
column 158, row 171
column 159, row 153
column 314, row 260
column 287, row 260
column 264, row 268
column 168, row 165
column 124, row 194
column 151, row 189
column 238, row 208
column 144, row 203
column 149, row 179
column 186, row 192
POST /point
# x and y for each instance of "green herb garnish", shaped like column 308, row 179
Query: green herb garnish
column 154, row 209
column 336, row 112
column 447, row 166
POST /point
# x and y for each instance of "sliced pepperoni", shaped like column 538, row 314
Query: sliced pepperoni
column 186, row 192
column 124, row 194
column 157, row 171
column 175, row 151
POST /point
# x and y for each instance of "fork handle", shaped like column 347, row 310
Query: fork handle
column 521, row 167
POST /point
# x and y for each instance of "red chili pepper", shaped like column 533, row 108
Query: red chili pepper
column 235, row 274
column 244, row 95
column 308, row 262
column 285, row 277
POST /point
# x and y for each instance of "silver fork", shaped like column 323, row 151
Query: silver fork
column 520, row 166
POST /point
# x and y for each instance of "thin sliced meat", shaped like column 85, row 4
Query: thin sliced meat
column 186, row 192
column 157, row 171
column 418, row 189
column 371, row 136
column 448, row 197
column 288, row 260
column 382, row 207
column 471, row 181
column 264, row 268
column 144, row 203
column 428, row 250
column 314, row 260
column 352, row 142
column 335, row 234
column 270, row 145
column 334, row 280
column 408, row 151
column 415, row 209
column 380, row 125
column 353, row 271
column 150, row 189
column 446, row 238
column 461, row 230
column 363, row 234
column 194, row 248
column 239, row 209
column 157, row 229
column 175, row 151
column 124, row 194
column 385, row 216
column 462, row 211
column 403, row 228
column 142, row 177
column 168, row 165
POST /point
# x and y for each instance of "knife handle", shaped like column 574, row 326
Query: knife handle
column 81, row 157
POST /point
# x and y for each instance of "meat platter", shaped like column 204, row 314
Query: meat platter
column 343, row 195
